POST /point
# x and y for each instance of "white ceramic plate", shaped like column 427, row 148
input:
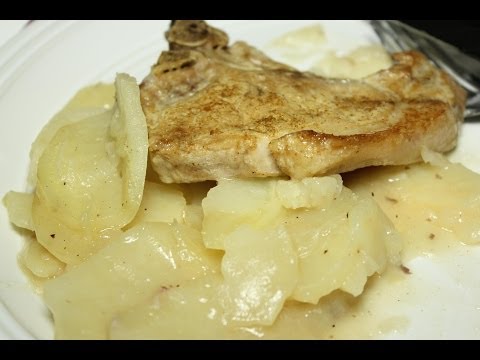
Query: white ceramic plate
column 44, row 65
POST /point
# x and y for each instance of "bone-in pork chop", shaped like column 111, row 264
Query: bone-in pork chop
column 218, row 111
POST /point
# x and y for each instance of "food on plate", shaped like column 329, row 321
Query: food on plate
column 301, row 42
column 430, row 203
column 363, row 61
column 126, row 248
column 90, row 178
column 19, row 206
column 145, row 260
column 89, row 101
column 314, row 226
column 265, row 262
column 215, row 111
column 308, row 48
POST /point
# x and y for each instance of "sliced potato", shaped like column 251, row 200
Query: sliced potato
column 91, row 177
column 309, row 192
column 431, row 204
column 340, row 238
column 189, row 311
column 89, row 101
column 129, row 132
column 233, row 203
column 76, row 178
column 341, row 247
column 160, row 203
column 71, row 245
column 145, row 261
column 193, row 311
column 95, row 96
column 261, row 271
column 19, row 208
column 39, row 261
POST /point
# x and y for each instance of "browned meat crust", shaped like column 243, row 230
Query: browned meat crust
column 217, row 111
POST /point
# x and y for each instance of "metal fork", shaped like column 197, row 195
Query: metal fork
column 465, row 69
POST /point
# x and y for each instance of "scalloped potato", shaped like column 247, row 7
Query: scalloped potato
column 267, row 240
column 122, row 257
column 19, row 207
column 340, row 239
column 145, row 260
column 87, row 102
column 40, row 262
column 91, row 177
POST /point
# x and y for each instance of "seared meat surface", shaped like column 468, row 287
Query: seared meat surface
column 218, row 111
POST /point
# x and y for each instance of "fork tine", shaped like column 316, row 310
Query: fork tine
column 403, row 37
column 386, row 35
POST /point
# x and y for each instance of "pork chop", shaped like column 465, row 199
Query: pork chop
column 218, row 111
